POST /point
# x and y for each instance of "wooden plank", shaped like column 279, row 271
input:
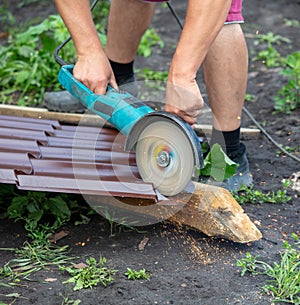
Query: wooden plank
column 42, row 113
column 246, row 133
column 90, row 119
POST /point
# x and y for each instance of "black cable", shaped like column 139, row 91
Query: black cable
column 244, row 108
column 175, row 15
column 268, row 135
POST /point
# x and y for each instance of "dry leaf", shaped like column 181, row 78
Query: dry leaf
column 143, row 243
column 50, row 279
column 80, row 266
column 57, row 236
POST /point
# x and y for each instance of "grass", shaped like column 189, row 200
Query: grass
column 34, row 256
column 137, row 274
column 283, row 282
column 90, row 274
column 251, row 195
column 118, row 224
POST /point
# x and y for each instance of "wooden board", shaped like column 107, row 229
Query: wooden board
column 90, row 119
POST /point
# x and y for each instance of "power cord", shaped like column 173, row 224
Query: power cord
column 269, row 137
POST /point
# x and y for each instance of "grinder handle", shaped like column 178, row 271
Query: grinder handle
column 119, row 108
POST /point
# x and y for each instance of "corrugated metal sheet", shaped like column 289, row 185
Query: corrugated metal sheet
column 44, row 155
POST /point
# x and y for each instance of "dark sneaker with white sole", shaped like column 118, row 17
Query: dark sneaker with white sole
column 63, row 101
column 242, row 177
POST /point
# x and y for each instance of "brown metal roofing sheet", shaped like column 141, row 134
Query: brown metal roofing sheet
column 44, row 155
column 27, row 125
column 16, row 161
column 105, row 155
column 23, row 134
column 54, row 123
column 11, row 145
column 79, row 170
column 7, row 176
column 86, row 186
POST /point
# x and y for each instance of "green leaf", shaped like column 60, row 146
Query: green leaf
column 25, row 51
column 22, row 77
column 218, row 165
column 59, row 207
column 17, row 207
column 49, row 44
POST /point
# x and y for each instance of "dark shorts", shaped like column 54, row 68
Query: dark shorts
column 234, row 15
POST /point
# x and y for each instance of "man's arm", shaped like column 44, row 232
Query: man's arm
column 204, row 20
column 92, row 68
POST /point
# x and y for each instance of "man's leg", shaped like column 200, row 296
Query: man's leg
column 225, row 72
column 128, row 20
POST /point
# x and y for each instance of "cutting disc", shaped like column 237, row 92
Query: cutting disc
column 165, row 156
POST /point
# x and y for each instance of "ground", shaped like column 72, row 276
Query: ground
column 188, row 267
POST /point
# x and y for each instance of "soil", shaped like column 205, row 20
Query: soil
column 187, row 267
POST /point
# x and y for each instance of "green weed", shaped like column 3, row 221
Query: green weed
column 118, row 224
column 291, row 23
column 269, row 55
column 34, row 255
column 32, row 206
column 148, row 41
column 270, row 38
column 27, row 2
column 15, row 296
column 251, row 195
column 27, row 65
column 250, row 98
column 90, row 275
column 284, row 277
column 288, row 97
column 137, row 274
column 154, row 80
column 100, row 14
column 288, row 149
column 67, row 301
column 7, row 20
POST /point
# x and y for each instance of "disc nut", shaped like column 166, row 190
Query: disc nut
column 163, row 158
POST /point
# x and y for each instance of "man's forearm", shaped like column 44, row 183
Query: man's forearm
column 78, row 19
column 204, row 20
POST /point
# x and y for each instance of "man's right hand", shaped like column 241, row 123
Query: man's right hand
column 95, row 72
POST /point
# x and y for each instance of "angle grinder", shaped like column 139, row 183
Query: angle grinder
column 168, row 152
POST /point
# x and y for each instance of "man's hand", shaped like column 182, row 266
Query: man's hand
column 184, row 99
column 95, row 72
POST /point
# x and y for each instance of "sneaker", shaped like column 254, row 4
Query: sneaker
column 242, row 177
column 63, row 101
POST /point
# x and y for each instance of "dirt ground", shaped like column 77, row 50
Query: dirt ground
column 204, row 272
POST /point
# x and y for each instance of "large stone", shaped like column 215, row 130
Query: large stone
column 213, row 211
